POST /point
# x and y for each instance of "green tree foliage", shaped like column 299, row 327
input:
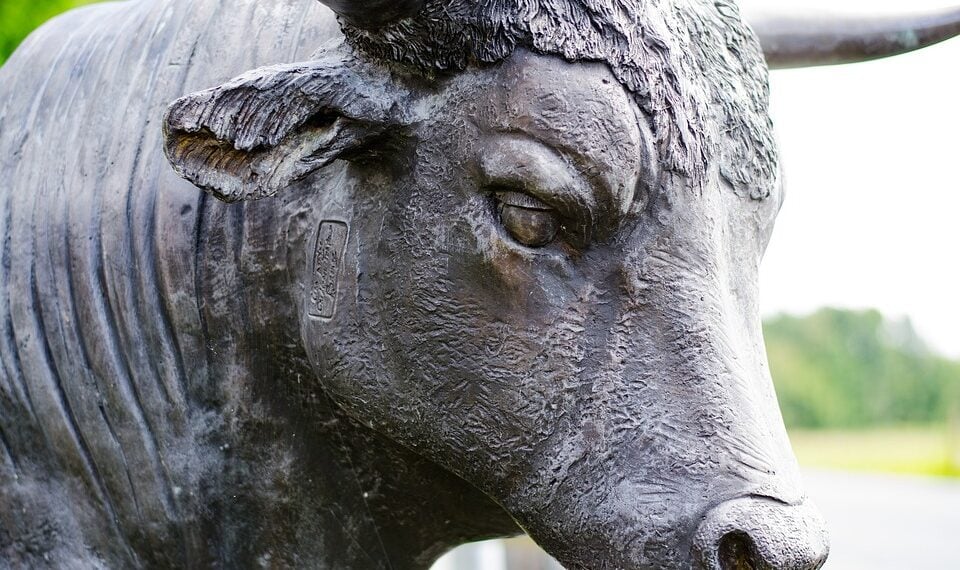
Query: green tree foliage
column 20, row 17
column 852, row 369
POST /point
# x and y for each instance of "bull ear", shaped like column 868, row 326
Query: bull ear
column 251, row 137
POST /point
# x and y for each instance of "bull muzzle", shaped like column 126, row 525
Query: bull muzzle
column 759, row 533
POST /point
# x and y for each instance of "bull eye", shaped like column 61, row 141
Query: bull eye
column 527, row 220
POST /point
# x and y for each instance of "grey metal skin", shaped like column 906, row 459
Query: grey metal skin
column 516, row 292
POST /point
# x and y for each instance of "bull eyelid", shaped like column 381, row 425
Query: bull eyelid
column 531, row 166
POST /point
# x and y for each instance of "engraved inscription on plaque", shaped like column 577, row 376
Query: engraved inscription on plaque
column 327, row 265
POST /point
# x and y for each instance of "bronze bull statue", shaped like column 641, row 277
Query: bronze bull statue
column 490, row 267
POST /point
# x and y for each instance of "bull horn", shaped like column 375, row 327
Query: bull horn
column 373, row 13
column 811, row 39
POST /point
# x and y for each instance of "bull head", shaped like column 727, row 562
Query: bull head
column 549, row 266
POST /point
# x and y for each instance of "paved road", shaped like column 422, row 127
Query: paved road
column 877, row 522
column 885, row 522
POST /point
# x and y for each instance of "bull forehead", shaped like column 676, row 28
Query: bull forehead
column 575, row 112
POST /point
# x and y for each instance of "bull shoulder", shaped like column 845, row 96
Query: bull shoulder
column 101, row 336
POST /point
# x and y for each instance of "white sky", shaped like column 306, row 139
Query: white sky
column 872, row 216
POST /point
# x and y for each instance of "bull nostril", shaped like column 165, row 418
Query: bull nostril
column 736, row 551
column 756, row 533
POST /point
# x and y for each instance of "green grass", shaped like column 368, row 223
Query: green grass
column 909, row 450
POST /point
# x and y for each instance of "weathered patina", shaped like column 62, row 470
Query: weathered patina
column 462, row 269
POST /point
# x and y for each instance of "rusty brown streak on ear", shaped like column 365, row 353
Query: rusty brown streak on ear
column 811, row 39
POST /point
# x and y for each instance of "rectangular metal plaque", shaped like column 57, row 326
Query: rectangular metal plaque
column 327, row 266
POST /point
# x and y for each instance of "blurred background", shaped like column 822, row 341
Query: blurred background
column 860, row 295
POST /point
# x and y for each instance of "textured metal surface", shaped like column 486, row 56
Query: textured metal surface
column 489, row 269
